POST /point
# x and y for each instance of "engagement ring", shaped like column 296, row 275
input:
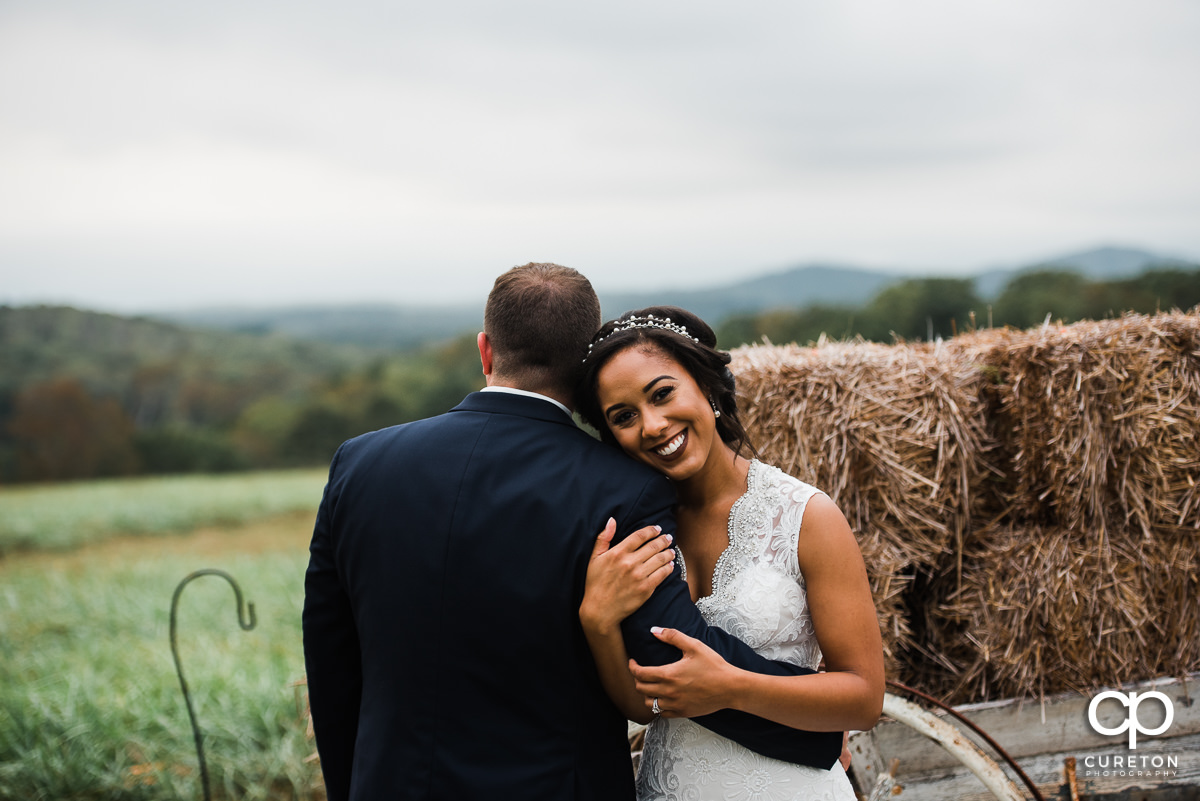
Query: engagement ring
column 654, row 707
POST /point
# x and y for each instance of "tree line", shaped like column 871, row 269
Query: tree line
column 87, row 395
column 90, row 395
column 924, row 309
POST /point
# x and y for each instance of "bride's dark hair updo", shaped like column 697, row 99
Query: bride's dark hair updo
column 695, row 348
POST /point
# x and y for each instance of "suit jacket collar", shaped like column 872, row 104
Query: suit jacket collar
column 520, row 405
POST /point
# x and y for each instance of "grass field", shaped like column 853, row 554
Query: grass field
column 61, row 516
column 90, row 705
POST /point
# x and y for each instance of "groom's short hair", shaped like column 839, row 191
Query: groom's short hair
column 539, row 319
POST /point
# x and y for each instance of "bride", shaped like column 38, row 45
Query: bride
column 766, row 557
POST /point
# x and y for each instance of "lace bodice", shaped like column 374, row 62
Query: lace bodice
column 758, row 595
column 757, row 588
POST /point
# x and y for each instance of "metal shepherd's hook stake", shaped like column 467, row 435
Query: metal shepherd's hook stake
column 246, row 626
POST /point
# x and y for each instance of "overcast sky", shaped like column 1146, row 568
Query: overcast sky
column 165, row 155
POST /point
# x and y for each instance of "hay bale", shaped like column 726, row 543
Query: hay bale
column 1099, row 422
column 896, row 435
column 1028, row 502
column 1043, row 610
column 890, row 574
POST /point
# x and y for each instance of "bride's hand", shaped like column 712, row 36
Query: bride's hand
column 620, row 579
column 699, row 683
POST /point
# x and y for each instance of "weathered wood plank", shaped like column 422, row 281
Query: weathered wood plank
column 866, row 763
column 1059, row 726
column 1048, row 772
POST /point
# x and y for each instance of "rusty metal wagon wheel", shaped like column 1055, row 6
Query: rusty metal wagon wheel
column 952, row 739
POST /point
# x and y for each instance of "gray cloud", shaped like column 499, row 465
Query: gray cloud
column 158, row 153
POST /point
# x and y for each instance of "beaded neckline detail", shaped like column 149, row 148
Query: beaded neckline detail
column 746, row 517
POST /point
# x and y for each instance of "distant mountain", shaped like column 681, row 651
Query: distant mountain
column 406, row 327
column 808, row 285
column 1101, row 264
column 374, row 325
column 843, row 285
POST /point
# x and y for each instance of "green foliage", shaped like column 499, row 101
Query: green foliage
column 921, row 309
column 316, row 434
column 59, row 431
column 90, row 706
column 1155, row 290
column 85, row 395
column 779, row 326
column 148, row 364
column 1028, row 298
column 942, row 307
column 441, row 377
column 913, row 309
column 183, row 449
column 1061, row 295
column 64, row 516
column 384, row 393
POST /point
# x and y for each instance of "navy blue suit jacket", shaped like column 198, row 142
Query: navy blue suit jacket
column 444, row 653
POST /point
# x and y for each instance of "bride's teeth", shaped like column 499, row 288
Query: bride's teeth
column 671, row 446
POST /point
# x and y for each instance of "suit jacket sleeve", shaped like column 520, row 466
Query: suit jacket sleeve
column 671, row 606
column 331, row 652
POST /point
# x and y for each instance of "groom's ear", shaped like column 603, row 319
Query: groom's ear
column 485, row 352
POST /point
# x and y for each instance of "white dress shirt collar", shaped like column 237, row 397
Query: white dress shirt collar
column 528, row 394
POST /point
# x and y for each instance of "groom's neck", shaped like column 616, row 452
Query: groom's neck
column 554, row 393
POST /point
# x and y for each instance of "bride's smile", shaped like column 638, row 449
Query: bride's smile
column 673, row 446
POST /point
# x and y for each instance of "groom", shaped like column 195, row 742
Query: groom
column 441, row 636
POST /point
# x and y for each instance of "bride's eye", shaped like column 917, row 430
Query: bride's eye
column 661, row 394
column 621, row 418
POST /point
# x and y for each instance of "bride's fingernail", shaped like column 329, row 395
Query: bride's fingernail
column 658, row 529
column 656, row 630
column 670, row 539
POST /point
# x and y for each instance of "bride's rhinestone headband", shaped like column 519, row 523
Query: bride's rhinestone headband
column 649, row 321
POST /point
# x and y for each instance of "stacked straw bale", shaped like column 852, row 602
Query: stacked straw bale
column 1026, row 501
column 895, row 435
column 1045, row 610
column 1090, row 578
column 1100, row 421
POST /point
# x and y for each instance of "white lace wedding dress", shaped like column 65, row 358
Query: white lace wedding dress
column 757, row 596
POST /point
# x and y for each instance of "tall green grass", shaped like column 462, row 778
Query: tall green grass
column 63, row 516
column 90, row 705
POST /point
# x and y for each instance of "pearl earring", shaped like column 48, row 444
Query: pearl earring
column 716, row 411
